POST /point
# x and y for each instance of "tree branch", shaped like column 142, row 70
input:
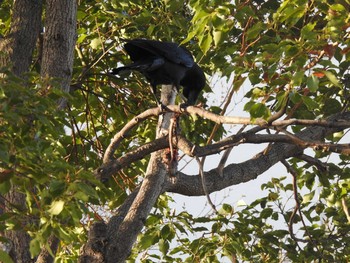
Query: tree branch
column 122, row 236
column 122, row 134
column 106, row 170
column 250, row 169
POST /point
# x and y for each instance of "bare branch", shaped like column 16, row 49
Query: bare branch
column 313, row 161
column 250, row 169
column 123, row 133
column 204, row 185
column 122, row 236
column 296, row 209
column 108, row 156
column 114, row 165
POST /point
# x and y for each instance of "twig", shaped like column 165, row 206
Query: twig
column 204, row 185
column 297, row 209
column 313, row 161
column 226, row 154
column 291, row 170
column 216, row 118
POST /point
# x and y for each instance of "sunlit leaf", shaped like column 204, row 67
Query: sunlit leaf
column 56, row 207
column 332, row 78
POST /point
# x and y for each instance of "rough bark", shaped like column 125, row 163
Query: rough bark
column 119, row 246
column 127, row 223
column 17, row 47
column 45, row 256
column 124, row 227
column 59, row 41
column 16, row 51
column 57, row 63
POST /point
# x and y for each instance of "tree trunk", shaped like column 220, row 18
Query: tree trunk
column 59, row 41
column 16, row 51
column 18, row 46
column 57, row 63
column 127, row 223
column 120, row 243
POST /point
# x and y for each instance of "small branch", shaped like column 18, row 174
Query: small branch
column 294, row 173
column 226, row 154
column 113, row 166
column 327, row 147
column 123, row 133
column 313, row 161
column 204, row 185
column 108, row 156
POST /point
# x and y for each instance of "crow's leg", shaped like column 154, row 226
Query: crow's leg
column 159, row 103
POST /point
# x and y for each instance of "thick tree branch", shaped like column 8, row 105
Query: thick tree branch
column 120, row 244
column 113, row 166
column 250, row 169
column 219, row 119
column 123, row 133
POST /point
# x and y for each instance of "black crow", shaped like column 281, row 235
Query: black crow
column 165, row 63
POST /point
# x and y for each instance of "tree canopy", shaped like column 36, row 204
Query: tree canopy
column 88, row 161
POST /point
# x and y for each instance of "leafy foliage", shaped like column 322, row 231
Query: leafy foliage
column 294, row 54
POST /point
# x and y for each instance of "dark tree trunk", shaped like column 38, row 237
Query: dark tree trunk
column 16, row 51
column 19, row 44
column 59, row 41
column 57, row 63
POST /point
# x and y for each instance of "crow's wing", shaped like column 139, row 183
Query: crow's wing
column 139, row 48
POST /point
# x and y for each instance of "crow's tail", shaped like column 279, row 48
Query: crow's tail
column 116, row 71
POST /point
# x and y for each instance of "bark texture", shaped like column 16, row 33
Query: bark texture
column 127, row 223
column 18, row 46
column 16, row 51
column 124, row 227
column 57, row 63
column 59, row 41
column 119, row 246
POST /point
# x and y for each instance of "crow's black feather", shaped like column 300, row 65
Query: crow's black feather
column 165, row 63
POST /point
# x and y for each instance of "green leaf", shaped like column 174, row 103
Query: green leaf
column 255, row 30
column 217, row 36
column 148, row 239
column 56, row 207
column 312, row 83
column 331, row 106
column 5, row 258
column 332, row 78
column 95, row 43
column 34, row 247
column 308, row 197
column 273, row 196
column 259, row 110
column 165, row 231
column 337, row 7
column 266, row 212
column 5, row 186
column 310, row 103
column 298, row 78
column 206, row 43
column 307, row 32
column 226, row 209
column 2, row 94
column 163, row 246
